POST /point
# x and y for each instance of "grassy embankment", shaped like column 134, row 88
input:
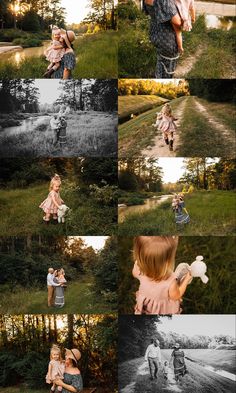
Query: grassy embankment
column 21, row 215
column 211, row 213
column 79, row 298
column 96, row 137
column 217, row 58
column 96, row 58
column 23, row 38
column 134, row 105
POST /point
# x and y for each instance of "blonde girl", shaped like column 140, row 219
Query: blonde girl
column 54, row 52
column 166, row 124
column 159, row 292
column 61, row 277
column 52, row 203
column 56, row 368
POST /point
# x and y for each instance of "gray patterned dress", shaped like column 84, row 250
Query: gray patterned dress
column 73, row 380
column 68, row 61
column 162, row 35
column 59, row 295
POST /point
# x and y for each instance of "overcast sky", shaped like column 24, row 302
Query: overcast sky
column 76, row 10
column 97, row 242
column 48, row 90
column 208, row 325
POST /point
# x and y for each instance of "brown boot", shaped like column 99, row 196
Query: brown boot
column 48, row 73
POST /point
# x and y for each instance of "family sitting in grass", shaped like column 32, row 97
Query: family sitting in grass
column 64, row 375
column 168, row 19
column 153, row 356
column 159, row 291
column 178, row 206
column 56, row 283
column 60, row 54
column 53, row 206
column 165, row 123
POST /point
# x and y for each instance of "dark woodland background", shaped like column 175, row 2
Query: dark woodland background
column 213, row 298
column 26, row 341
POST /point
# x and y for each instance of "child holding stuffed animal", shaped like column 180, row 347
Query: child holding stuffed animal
column 53, row 202
column 159, row 292
column 56, row 368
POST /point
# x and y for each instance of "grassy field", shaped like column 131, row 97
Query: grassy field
column 96, row 58
column 134, row 376
column 88, row 134
column 216, row 60
column 21, row 215
column 128, row 105
column 22, row 389
column 211, row 213
column 197, row 135
column 223, row 359
column 79, row 298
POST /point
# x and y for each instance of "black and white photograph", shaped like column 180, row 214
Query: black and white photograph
column 179, row 353
column 52, row 118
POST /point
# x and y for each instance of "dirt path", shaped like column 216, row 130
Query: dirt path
column 186, row 66
column 198, row 380
column 226, row 133
column 160, row 149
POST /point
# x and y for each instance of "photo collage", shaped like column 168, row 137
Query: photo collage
column 117, row 196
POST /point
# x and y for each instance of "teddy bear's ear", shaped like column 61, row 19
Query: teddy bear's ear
column 199, row 258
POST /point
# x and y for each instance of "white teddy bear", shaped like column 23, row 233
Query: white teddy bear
column 63, row 209
column 197, row 269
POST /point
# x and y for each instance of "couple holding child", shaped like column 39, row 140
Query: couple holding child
column 58, row 125
column 153, row 356
column 56, row 284
column 178, row 206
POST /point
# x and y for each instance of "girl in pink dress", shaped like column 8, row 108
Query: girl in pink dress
column 186, row 9
column 56, row 368
column 159, row 292
column 53, row 202
column 54, row 52
column 166, row 124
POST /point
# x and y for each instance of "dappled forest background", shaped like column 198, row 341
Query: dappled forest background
column 213, row 298
column 24, row 263
column 26, row 340
column 142, row 174
column 79, row 95
column 136, row 332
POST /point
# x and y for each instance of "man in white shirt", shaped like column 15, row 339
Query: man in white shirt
column 50, row 285
column 153, row 356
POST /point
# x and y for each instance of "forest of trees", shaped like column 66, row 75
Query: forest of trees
column 81, row 94
column 151, row 87
column 25, row 343
column 31, row 15
column 136, row 332
column 18, row 95
column 103, row 14
column 24, row 262
column 209, row 174
column 22, row 172
column 219, row 90
column 140, row 174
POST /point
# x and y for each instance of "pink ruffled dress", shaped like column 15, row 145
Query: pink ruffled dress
column 153, row 297
column 54, row 55
column 184, row 7
column 57, row 371
column 48, row 205
column 167, row 124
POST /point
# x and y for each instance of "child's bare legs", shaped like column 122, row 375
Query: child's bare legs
column 56, row 66
column 179, row 38
column 51, row 69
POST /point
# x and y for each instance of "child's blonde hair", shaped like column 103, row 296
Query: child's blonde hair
column 155, row 255
column 55, row 179
column 55, row 348
column 166, row 110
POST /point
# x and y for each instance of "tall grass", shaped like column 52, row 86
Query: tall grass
column 88, row 134
column 79, row 298
column 21, row 215
column 97, row 56
column 211, row 213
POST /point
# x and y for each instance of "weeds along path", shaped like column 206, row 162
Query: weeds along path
column 198, row 380
column 226, row 133
column 160, row 149
column 188, row 63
